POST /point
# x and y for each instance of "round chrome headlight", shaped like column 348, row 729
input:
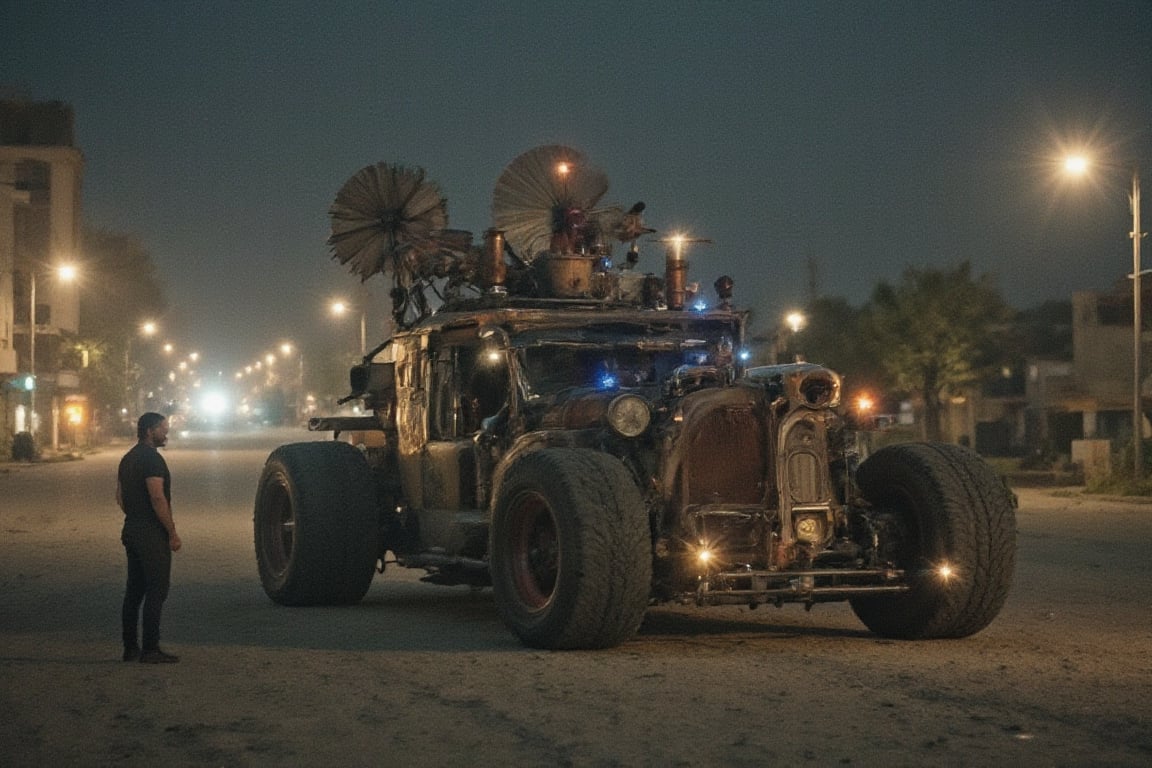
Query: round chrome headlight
column 629, row 415
column 820, row 389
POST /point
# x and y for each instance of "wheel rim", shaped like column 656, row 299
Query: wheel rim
column 535, row 551
column 278, row 526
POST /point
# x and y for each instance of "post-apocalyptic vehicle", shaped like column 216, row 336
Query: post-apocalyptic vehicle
column 588, row 441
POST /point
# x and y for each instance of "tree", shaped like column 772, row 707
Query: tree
column 834, row 337
column 120, row 289
column 935, row 333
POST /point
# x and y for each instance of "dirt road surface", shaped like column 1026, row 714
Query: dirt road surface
column 426, row 675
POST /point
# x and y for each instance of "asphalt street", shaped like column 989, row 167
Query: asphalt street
column 428, row 675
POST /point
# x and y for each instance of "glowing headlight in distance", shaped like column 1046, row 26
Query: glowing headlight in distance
column 945, row 572
column 704, row 556
column 214, row 404
column 629, row 415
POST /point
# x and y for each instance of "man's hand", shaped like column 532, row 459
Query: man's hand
column 174, row 542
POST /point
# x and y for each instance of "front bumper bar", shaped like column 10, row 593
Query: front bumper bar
column 748, row 587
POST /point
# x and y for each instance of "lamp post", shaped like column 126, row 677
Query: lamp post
column 1137, row 297
column 1078, row 165
column 32, row 354
column 340, row 308
column 286, row 351
column 794, row 322
column 67, row 273
column 147, row 329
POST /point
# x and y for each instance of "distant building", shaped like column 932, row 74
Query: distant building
column 41, row 172
column 1089, row 396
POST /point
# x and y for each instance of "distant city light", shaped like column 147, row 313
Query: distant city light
column 214, row 403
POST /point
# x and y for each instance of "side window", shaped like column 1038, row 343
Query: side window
column 488, row 386
column 469, row 384
column 444, row 423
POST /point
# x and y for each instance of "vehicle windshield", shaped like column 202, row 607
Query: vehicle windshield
column 550, row 368
column 620, row 354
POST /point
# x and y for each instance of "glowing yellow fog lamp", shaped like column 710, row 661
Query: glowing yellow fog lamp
column 629, row 415
column 809, row 530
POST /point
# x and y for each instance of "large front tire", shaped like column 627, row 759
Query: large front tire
column 315, row 524
column 570, row 551
column 951, row 525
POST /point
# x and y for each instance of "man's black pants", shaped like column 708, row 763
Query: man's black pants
column 149, row 573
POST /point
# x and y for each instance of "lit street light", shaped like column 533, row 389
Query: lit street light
column 147, row 329
column 794, row 322
column 1078, row 165
column 340, row 308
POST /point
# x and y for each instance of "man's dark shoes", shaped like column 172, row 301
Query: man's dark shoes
column 157, row 657
column 132, row 653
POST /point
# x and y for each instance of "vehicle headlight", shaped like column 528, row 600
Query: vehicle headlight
column 629, row 415
column 809, row 530
column 820, row 389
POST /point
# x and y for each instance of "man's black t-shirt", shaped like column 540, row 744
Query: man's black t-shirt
column 143, row 461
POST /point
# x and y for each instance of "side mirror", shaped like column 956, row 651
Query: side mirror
column 372, row 381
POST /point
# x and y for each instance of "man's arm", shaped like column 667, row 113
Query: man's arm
column 162, row 509
column 119, row 495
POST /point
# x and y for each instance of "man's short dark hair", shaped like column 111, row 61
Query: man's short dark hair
column 147, row 422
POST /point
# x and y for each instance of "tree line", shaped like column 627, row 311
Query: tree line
column 932, row 334
column 120, row 289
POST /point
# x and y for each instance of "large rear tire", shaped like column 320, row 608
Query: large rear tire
column 950, row 523
column 570, row 550
column 315, row 524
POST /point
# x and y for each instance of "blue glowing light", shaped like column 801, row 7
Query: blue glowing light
column 607, row 381
column 744, row 355
column 700, row 305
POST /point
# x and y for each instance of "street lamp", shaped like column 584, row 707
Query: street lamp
column 286, row 351
column 1078, row 165
column 340, row 308
column 66, row 273
column 147, row 329
column 795, row 322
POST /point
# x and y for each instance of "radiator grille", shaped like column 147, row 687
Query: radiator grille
column 726, row 458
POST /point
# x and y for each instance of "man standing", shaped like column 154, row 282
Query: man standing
column 144, row 493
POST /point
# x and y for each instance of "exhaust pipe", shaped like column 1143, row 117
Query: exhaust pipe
column 493, row 271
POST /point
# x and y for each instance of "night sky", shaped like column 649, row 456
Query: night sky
column 863, row 136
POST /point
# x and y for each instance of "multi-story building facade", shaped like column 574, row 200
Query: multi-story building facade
column 41, row 173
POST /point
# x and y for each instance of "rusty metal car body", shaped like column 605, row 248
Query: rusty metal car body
column 496, row 424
